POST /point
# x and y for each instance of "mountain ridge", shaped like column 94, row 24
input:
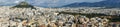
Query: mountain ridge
column 106, row 3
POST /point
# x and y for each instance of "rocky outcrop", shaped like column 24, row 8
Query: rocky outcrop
column 24, row 5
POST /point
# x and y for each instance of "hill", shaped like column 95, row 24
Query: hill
column 106, row 3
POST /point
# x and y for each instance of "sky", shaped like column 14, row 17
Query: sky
column 48, row 3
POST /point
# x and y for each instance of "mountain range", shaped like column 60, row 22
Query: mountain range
column 105, row 3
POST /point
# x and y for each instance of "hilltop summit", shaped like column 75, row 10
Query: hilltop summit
column 24, row 5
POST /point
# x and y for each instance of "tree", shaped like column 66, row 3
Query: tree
column 24, row 5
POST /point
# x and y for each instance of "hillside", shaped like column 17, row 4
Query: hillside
column 106, row 3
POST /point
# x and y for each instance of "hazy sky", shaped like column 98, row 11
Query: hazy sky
column 50, row 3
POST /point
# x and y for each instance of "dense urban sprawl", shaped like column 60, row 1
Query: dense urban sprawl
column 50, row 17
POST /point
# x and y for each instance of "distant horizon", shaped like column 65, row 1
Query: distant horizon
column 46, row 3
